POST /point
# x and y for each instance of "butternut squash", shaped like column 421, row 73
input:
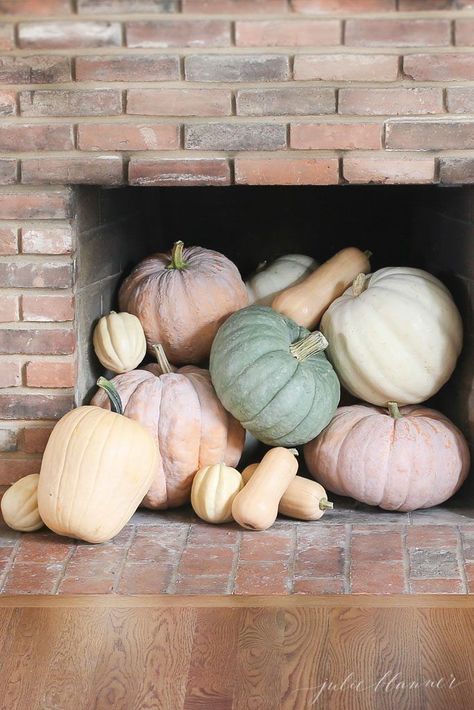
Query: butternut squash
column 302, row 500
column 306, row 302
column 256, row 506
column 213, row 490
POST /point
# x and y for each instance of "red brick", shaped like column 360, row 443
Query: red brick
column 14, row 467
column 38, row 204
column 456, row 171
column 9, row 311
column 202, row 585
column 37, row 342
column 294, row 101
column 202, row 534
column 157, row 544
column 8, row 241
column 378, row 578
column 387, row 170
column 199, row 171
column 233, row 136
column 315, row 585
column 206, row 560
column 6, row 555
column 144, row 578
column 432, row 562
column 30, row 137
column 10, row 373
column 25, row 274
column 45, row 547
column 34, row 70
column 7, row 103
column 287, row 33
column 434, row 536
column 57, row 308
column 262, row 578
column 7, row 37
column 96, row 102
column 318, row 561
column 8, row 443
column 90, row 7
column 179, row 102
column 128, row 68
column 32, row 579
column 220, row 67
column 92, row 569
column 179, row 33
column 398, row 33
column 377, row 102
column 33, row 7
column 464, row 32
column 46, row 240
column 8, row 171
column 321, row 7
column 460, row 99
column 429, row 135
column 336, row 136
column 416, row 5
column 437, row 586
column 50, row 374
column 266, row 547
column 225, row 7
column 123, row 136
column 68, row 35
column 286, row 171
column 346, row 67
column 32, row 407
column 377, row 546
column 439, row 67
column 34, row 440
column 103, row 170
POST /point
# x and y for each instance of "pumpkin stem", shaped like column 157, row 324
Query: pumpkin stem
column 162, row 360
column 394, row 411
column 325, row 504
column 359, row 284
column 312, row 344
column 295, row 452
column 177, row 261
column 111, row 391
column 368, row 253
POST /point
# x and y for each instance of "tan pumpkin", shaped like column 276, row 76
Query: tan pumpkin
column 181, row 299
column 397, row 459
column 302, row 500
column 256, row 506
column 306, row 302
column 119, row 342
column 96, row 468
column 19, row 505
column 213, row 491
column 190, row 426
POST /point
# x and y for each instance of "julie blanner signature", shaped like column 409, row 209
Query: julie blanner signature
column 389, row 683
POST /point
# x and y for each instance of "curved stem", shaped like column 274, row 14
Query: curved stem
column 295, row 452
column 359, row 284
column 162, row 360
column 111, row 391
column 177, row 261
column 368, row 253
column 394, row 411
column 312, row 344
column 325, row 504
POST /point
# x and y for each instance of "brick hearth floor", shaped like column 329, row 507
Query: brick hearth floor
column 354, row 550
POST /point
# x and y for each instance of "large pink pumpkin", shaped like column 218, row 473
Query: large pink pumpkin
column 397, row 459
column 182, row 298
column 189, row 424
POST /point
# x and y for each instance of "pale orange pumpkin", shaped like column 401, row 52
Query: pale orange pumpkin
column 181, row 299
column 397, row 459
column 190, row 426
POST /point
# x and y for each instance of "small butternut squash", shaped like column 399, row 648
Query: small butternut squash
column 213, row 491
column 119, row 342
column 256, row 506
column 306, row 302
column 302, row 500
column 19, row 505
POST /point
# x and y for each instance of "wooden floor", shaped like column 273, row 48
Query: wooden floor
column 255, row 653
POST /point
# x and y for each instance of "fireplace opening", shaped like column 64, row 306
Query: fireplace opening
column 421, row 226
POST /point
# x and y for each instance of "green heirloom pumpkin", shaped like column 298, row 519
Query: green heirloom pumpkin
column 272, row 376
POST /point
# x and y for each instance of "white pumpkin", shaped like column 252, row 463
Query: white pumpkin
column 394, row 335
column 19, row 505
column 213, row 491
column 119, row 342
column 270, row 279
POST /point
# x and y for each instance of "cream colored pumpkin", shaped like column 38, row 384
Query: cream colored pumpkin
column 119, row 342
column 213, row 491
column 394, row 335
column 270, row 279
column 19, row 505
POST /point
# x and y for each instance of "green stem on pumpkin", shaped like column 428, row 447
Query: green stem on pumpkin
column 177, row 261
column 162, row 360
column 359, row 284
column 325, row 504
column 368, row 253
column 394, row 411
column 312, row 344
column 111, row 391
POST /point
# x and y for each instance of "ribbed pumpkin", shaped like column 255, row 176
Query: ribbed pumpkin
column 394, row 335
column 272, row 375
column 397, row 459
column 181, row 299
column 19, row 505
column 119, row 342
column 190, row 426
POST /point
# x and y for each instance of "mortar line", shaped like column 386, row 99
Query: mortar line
column 461, row 559
column 127, row 548
column 65, row 564
column 171, row 588
column 347, row 567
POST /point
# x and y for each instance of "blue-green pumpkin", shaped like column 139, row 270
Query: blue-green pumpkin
column 272, row 376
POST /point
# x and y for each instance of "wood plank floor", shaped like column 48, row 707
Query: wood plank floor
column 223, row 653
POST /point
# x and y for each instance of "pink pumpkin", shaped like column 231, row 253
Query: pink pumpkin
column 182, row 298
column 189, row 424
column 397, row 459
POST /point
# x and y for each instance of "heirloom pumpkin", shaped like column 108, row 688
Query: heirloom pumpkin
column 270, row 279
column 119, row 342
column 397, row 459
column 181, row 299
column 190, row 426
column 96, row 468
column 213, row 490
column 394, row 335
column 19, row 505
column 273, row 376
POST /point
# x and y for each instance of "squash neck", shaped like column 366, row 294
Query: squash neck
column 394, row 411
column 177, row 260
column 162, row 360
column 312, row 344
column 112, row 393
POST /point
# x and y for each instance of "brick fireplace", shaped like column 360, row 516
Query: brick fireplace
column 317, row 124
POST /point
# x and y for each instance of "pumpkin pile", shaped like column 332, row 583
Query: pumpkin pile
column 172, row 432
